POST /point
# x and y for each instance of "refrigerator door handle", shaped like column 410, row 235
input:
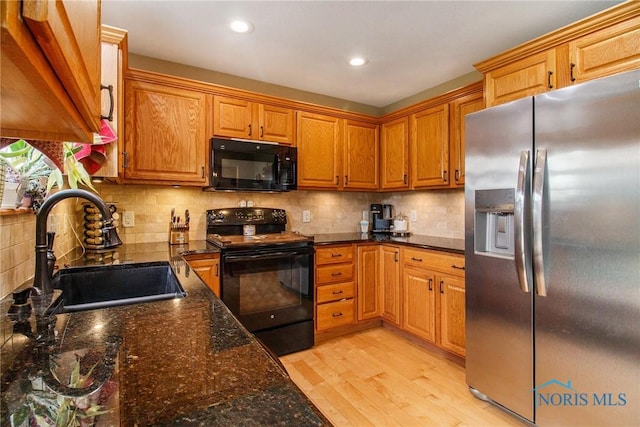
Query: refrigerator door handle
column 522, row 251
column 540, row 200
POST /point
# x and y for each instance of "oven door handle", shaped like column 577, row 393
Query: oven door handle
column 269, row 255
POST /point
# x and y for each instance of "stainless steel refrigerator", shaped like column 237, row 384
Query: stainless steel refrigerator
column 552, row 218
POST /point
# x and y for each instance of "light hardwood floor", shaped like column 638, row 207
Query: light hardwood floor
column 377, row 378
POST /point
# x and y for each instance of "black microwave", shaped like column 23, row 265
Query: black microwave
column 242, row 165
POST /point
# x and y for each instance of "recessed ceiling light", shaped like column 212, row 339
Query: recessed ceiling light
column 358, row 61
column 241, row 26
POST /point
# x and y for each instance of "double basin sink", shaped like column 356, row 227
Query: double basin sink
column 88, row 288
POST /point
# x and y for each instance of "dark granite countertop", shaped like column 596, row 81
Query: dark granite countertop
column 425, row 242
column 181, row 362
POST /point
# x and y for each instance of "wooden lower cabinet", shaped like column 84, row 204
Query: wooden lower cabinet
column 335, row 286
column 208, row 268
column 419, row 303
column 390, row 284
column 416, row 290
column 434, row 297
column 452, row 313
column 368, row 281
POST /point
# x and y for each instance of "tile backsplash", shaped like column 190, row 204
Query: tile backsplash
column 439, row 213
column 18, row 241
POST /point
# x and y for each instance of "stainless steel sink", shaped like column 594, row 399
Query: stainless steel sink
column 87, row 288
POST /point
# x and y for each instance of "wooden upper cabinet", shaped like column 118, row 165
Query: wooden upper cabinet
column 69, row 34
column 429, row 144
column 458, row 110
column 114, row 53
column 232, row 117
column 276, row 124
column 240, row 118
column 612, row 50
column 50, row 70
column 529, row 76
column 165, row 133
column 601, row 45
column 394, row 154
column 361, row 154
column 319, row 140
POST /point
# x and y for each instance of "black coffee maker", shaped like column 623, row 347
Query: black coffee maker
column 381, row 218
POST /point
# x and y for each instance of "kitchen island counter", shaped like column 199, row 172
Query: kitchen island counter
column 184, row 361
column 443, row 244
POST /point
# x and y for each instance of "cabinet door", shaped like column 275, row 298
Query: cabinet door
column 209, row 271
column 368, row 297
column 361, row 154
column 233, row 118
column 34, row 103
column 69, row 34
column 430, row 147
column 394, row 154
column 165, row 133
column 276, row 124
column 390, row 286
column 452, row 313
column 418, row 287
column 459, row 109
column 606, row 52
column 529, row 76
column 319, row 150
column 113, row 43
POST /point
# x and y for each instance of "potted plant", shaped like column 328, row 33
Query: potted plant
column 35, row 175
column 27, row 169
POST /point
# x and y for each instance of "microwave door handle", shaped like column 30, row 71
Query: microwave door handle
column 277, row 166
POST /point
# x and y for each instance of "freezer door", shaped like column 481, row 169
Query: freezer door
column 587, row 331
column 499, row 341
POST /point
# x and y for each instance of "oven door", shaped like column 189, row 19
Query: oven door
column 267, row 288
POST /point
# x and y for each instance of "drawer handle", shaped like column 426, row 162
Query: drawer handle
column 336, row 274
column 457, row 268
column 336, row 255
column 416, row 259
column 336, row 292
column 337, row 314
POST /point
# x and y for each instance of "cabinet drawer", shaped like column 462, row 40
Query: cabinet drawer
column 446, row 263
column 334, row 273
column 334, row 254
column 338, row 291
column 335, row 314
column 415, row 257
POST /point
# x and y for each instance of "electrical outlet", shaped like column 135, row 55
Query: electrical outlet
column 414, row 215
column 128, row 219
column 306, row 216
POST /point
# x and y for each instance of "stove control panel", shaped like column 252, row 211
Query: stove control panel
column 241, row 216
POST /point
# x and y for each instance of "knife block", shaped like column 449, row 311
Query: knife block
column 178, row 234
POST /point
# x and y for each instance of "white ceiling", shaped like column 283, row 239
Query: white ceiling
column 411, row 45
